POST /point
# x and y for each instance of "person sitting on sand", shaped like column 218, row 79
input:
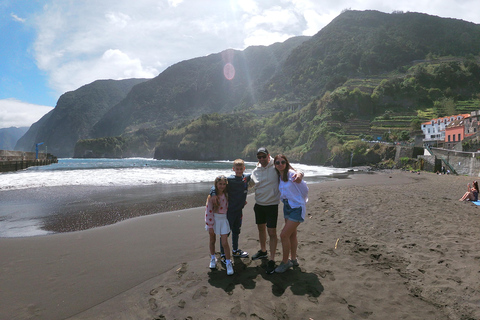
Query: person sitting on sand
column 216, row 222
column 294, row 197
column 472, row 193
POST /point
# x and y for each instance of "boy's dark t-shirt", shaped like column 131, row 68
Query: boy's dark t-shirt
column 237, row 191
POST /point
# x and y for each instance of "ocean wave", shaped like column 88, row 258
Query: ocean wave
column 130, row 172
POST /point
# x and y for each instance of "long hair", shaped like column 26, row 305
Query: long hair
column 475, row 185
column 225, row 192
column 281, row 157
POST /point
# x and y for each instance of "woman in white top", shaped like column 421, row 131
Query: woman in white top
column 294, row 197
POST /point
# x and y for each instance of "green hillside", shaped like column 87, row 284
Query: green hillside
column 390, row 107
column 366, row 75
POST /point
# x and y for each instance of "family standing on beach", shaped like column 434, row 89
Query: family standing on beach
column 274, row 180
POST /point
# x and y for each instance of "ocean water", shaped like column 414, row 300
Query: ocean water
column 134, row 172
column 20, row 211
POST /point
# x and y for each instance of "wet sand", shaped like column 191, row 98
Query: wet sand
column 75, row 208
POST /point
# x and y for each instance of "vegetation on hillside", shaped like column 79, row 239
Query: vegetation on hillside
column 366, row 76
column 210, row 137
column 331, row 129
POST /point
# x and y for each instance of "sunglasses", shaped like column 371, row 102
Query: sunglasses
column 280, row 162
column 262, row 157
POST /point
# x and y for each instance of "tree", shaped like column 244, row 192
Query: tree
column 415, row 124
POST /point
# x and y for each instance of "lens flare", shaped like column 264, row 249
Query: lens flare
column 229, row 71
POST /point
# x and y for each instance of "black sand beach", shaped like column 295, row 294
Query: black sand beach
column 389, row 245
column 74, row 208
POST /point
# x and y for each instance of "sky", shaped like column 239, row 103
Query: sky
column 49, row 47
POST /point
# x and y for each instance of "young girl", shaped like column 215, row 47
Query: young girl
column 216, row 222
column 294, row 197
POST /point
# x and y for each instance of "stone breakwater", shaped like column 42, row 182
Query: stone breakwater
column 6, row 166
column 18, row 160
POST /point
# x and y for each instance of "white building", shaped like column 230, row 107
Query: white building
column 434, row 130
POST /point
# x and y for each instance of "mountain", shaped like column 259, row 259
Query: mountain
column 74, row 116
column 365, row 75
column 365, row 43
column 198, row 86
column 10, row 136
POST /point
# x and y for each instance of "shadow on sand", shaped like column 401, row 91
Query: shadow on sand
column 300, row 283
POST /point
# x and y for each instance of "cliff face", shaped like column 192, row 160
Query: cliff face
column 211, row 137
column 74, row 116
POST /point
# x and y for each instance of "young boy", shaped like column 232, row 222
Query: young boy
column 237, row 196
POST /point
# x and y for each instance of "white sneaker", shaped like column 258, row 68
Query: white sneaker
column 229, row 268
column 213, row 263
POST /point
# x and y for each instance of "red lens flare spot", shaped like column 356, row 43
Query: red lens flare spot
column 229, row 71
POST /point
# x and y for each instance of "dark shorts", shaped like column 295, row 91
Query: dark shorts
column 266, row 215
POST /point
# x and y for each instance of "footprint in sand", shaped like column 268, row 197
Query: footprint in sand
column 152, row 302
column 351, row 308
column 280, row 311
column 325, row 273
column 170, row 291
column 238, row 312
column 203, row 291
column 181, row 304
column 236, row 309
column 154, row 291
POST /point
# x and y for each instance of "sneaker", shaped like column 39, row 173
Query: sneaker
column 270, row 267
column 295, row 262
column 213, row 263
column 223, row 259
column 229, row 268
column 240, row 254
column 260, row 255
column 284, row 267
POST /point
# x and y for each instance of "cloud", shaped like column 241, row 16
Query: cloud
column 115, row 39
column 79, row 42
column 17, row 18
column 174, row 3
column 15, row 113
column 112, row 64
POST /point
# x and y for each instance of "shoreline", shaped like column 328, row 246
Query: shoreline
column 76, row 208
column 51, row 210
column 374, row 246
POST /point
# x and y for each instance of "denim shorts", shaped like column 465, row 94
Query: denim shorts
column 292, row 214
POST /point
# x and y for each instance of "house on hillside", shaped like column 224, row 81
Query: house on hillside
column 473, row 122
column 455, row 132
column 434, row 130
